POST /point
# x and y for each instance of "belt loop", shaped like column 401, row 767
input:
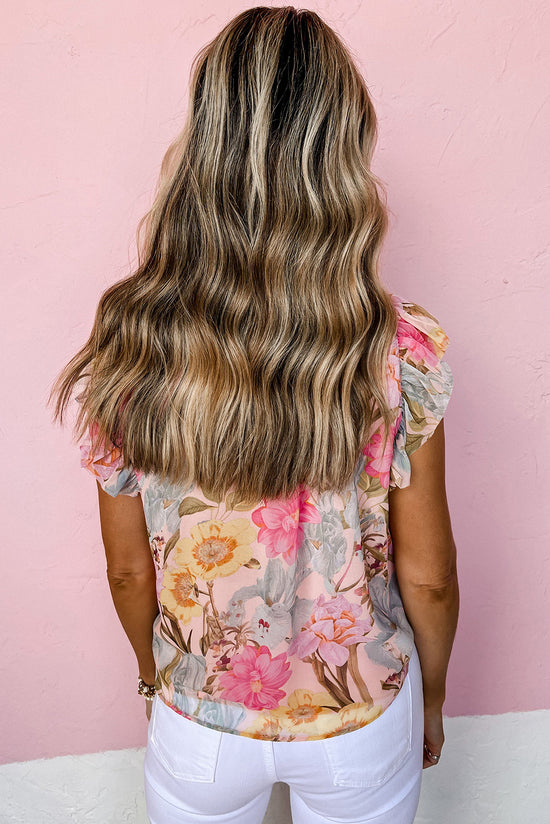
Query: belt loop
column 269, row 759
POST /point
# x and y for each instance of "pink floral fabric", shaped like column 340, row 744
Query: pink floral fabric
column 284, row 621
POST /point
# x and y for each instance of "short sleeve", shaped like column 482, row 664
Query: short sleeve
column 105, row 465
column 426, row 384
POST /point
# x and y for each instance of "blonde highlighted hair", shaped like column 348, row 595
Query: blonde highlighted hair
column 248, row 350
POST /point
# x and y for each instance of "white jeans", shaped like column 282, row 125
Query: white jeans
column 196, row 774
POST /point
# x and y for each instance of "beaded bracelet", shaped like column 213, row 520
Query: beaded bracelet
column 147, row 690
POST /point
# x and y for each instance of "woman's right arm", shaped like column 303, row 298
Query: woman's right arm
column 425, row 564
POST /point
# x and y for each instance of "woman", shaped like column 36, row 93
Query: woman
column 264, row 421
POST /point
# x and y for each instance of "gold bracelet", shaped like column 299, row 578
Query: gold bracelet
column 147, row 690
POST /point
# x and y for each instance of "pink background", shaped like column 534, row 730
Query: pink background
column 93, row 93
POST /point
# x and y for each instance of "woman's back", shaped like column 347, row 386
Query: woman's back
column 283, row 620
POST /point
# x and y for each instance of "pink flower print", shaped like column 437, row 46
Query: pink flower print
column 255, row 678
column 333, row 626
column 378, row 463
column 419, row 346
column 393, row 377
column 280, row 523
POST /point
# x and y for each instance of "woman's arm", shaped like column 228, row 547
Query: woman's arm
column 425, row 564
column 131, row 573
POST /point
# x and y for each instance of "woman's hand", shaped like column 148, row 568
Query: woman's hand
column 433, row 734
column 148, row 708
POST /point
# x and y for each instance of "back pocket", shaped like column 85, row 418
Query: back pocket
column 188, row 750
column 371, row 755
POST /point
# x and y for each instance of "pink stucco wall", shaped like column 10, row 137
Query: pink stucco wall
column 93, row 92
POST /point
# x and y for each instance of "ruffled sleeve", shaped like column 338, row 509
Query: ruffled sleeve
column 425, row 381
column 105, row 464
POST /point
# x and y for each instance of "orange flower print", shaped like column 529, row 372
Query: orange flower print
column 103, row 466
column 216, row 548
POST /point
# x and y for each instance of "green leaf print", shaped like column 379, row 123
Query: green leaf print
column 191, row 505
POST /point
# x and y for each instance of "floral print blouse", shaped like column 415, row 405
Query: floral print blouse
column 284, row 621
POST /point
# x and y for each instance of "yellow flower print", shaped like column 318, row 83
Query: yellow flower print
column 305, row 710
column 263, row 726
column 216, row 548
column 357, row 715
column 440, row 340
column 177, row 594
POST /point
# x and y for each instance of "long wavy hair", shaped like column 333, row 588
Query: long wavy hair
column 248, row 350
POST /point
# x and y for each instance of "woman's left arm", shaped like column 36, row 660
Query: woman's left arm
column 131, row 573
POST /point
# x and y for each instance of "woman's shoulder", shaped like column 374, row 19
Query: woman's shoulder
column 422, row 341
column 104, row 460
column 424, row 378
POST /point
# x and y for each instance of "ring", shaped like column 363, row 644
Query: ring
column 431, row 754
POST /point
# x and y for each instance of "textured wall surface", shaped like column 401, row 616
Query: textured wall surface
column 95, row 92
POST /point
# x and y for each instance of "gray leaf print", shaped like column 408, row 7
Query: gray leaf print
column 271, row 624
column 159, row 517
column 392, row 622
column 301, row 612
column 330, row 556
column 163, row 652
column 190, row 672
